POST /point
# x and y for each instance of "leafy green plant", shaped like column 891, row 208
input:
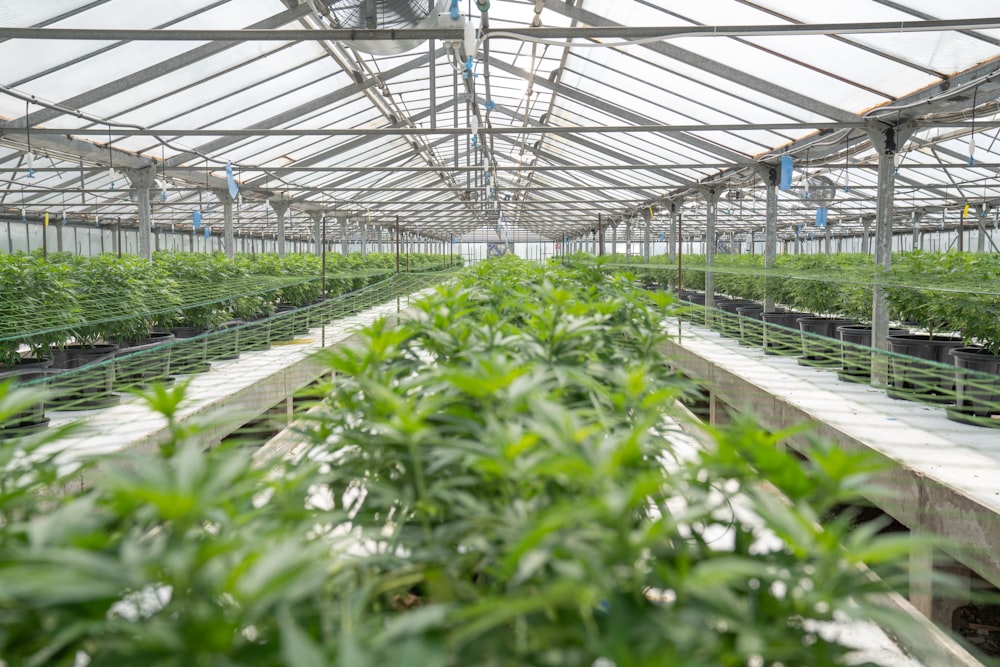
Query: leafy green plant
column 38, row 306
column 491, row 482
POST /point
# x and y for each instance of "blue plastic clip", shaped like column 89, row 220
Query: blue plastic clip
column 454, row 10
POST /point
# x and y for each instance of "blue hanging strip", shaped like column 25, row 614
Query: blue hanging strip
column 787, row 167
column 196, row 219
column 208, row 231
column 230, row 181
column 821, row 216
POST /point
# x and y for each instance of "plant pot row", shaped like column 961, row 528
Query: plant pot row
column 971, row 384
column 81, row 377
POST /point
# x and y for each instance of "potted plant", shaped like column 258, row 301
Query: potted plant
column 977, row 367
column 819, row 336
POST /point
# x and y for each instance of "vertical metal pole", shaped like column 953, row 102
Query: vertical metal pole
column 600, row 231
column 883, row 260
column 711, row 198
column 672, row 233
column 118, row 235
column 344, row 250
column 45, row 240
column 397, row 245
column 770, row 232
column 228, row 234
column 322, row 342
column 648, row 239
column 614, row 238
column 628, row 241
column 676, row 215
column 961, row 230
column 280, row 208
column 828, row 238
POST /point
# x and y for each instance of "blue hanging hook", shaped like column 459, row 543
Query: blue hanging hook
column 454, row 10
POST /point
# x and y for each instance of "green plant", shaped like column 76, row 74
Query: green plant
column 38, row 306
column 490, row 482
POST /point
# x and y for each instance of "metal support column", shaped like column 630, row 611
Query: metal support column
column 317, row 218
column 280, row 207
column 344, row 249
column 866, row 224
column 141, row 181
column 364, row 237
column 228, row 236
column 888, row 140
column 769, row 173
column 828, row 238
column 648, row 234
column 672, row 246
column 628, row 241
column 614, row 238
column 600, row 234
column 711, row 196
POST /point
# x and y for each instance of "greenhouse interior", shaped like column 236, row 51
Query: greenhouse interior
column 598, row 333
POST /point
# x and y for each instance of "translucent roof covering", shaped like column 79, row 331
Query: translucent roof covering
column 576, row 128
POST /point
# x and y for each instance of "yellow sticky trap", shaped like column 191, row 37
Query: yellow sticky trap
column 47, row 218
column 965, row 211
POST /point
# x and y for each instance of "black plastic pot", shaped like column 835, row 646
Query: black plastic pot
column 910, row 377
column 33, row 418
column 256, row 335
column 855, row 362
column 816, row 350
column 729, row 324
column 87, row 377
column 224, row 343
column 190, row 351
column 288, row 322
column 751, row 326
column 777, row 340
column 697, row 298
column 977, row 387
column 141, row 363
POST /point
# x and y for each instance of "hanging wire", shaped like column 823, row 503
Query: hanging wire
column 972, row 134
column 847, row 164
column 27, row 129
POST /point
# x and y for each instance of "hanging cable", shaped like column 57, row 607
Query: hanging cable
column 27, row 128
column 111, row 160
column 972, row 135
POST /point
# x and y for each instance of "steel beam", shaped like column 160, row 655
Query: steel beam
column 716, row 68
column 603, row 29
